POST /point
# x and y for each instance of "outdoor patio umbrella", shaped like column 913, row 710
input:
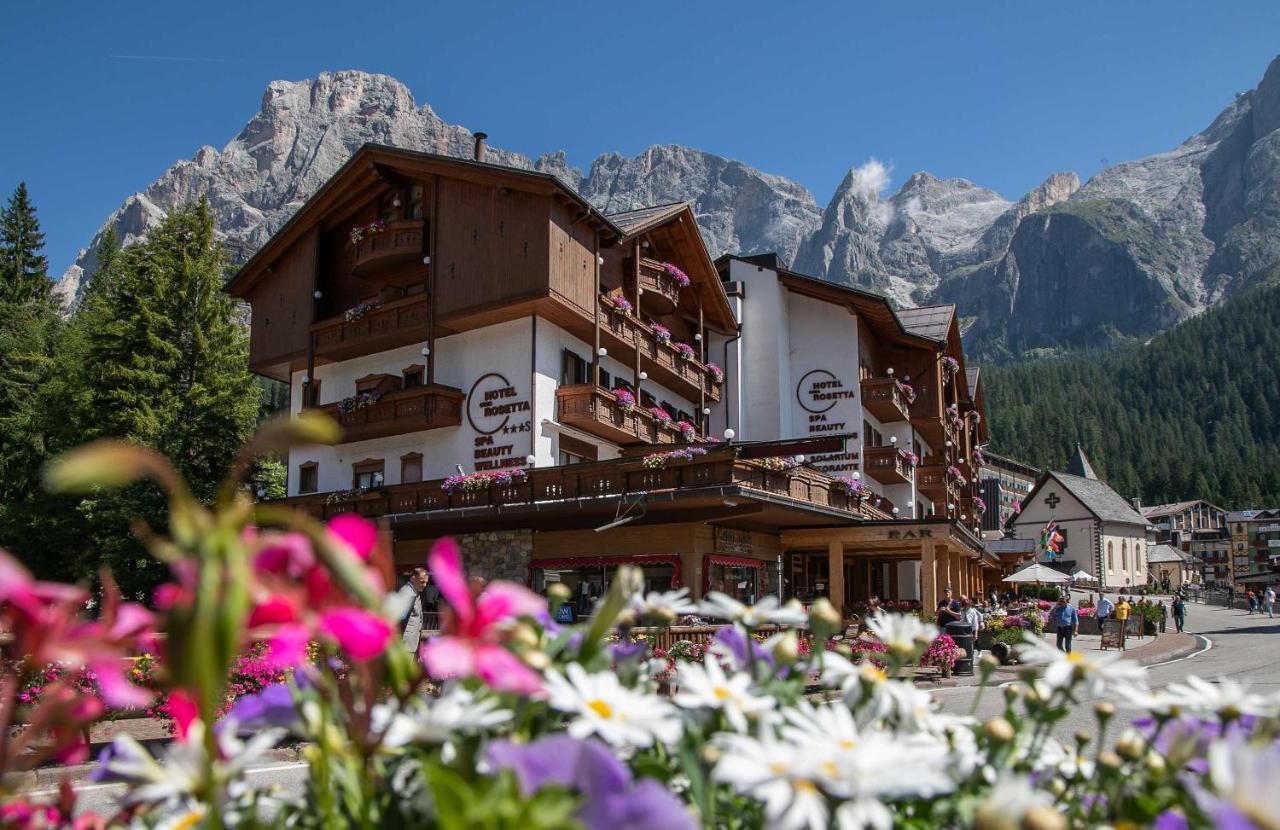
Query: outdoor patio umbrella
column 1038, row 573
column 1082, row 576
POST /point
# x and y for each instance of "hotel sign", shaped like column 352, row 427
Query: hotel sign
column 498, row 413
column 828, row 404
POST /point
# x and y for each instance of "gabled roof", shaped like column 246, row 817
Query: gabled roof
column 1079, row 465
column 1176, row 507
column 642, row 219
column 972, row 372
column 1098, row 498
column 1254, row 515
column 997, row 460
column 931, row 321
column 1165, row 553
column 363, row 167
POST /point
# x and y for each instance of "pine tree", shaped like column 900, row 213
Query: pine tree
column 156, row 356
column 24, row 270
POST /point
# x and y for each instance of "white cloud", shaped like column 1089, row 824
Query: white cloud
column 870, row 181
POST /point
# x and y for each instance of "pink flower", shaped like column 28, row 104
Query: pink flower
column 361, row 535
column 360, row 633
column 470, row 646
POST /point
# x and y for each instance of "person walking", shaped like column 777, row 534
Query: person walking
column 1269, row 601
column 972, row 617
column 1105, row 608
column 1253, row 601
column 408, row 607
column 1179, row 612
column 1122, row 617
column 1068, row 621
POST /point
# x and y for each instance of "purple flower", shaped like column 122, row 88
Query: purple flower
column 1171, row 820
column 623, row 652
column 611, row 801
column 273, row 706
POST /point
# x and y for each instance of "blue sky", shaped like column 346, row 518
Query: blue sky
column 1000, row 93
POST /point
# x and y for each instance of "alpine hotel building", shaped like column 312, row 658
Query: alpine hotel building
column 566, row 391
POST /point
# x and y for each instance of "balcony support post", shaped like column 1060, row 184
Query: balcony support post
column 635, row 264
column 595, row 351
column 835, row 575
column 703, row 420
column 432, row 268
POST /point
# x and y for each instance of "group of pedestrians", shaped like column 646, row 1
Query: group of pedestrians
column 1264, row 602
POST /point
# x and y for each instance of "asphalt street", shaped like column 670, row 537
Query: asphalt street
column 1233, row 644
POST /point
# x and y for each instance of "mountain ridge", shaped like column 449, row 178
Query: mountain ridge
column 1137, row 248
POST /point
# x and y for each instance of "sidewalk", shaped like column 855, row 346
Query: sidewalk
column 1168, row 646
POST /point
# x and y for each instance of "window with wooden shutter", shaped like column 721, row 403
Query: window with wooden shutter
column 308, row 477
column 411, row 468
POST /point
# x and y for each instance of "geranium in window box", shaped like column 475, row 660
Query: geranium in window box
column 361, row 309
column 685, row 351
column 661, row 333
column 681, row 278
column 663, row 416
column 658, row 460
column 475, row 482
column 717, row 374
column 625, row 399
column 617, row 304
column 359, row 232
column 687, row 430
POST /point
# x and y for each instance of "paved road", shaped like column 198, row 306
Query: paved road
column 1241, row 647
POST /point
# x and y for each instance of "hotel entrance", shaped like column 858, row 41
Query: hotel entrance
column 588, row 578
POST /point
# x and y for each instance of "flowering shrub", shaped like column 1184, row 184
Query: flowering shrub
column 625, row 399
column 475, row 482
column 361, row 400
column 507, row 720
column 658, row 460
column 361, row 309
column 942, row 653
column 663, row 416
column 617, row 304
column 661, row 333
column 687, row 430
column 717, row 373
column 359, row 232
column 685, row 352
column 682, row 279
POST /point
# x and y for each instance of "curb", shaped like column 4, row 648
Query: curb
column 1176, row 654
column 49, row 778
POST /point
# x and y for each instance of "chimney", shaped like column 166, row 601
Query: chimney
column 480, row 137
column 1137, row 503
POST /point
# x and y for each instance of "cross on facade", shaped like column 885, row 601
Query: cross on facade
column 1053, row 501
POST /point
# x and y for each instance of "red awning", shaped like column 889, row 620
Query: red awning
column 722, row 559
column 570, row 562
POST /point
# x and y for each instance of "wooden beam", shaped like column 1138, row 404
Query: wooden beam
column 928, row 578
column 835, row 578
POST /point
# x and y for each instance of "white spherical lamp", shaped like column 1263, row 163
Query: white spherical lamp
column 729, row 434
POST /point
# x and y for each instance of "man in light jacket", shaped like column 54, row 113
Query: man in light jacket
column 407, row 607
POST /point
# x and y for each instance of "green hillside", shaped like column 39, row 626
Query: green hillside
column 1195, row 413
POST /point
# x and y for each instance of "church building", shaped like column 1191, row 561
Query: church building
column 1103, row 534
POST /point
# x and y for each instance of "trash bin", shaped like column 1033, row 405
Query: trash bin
column 963, row 634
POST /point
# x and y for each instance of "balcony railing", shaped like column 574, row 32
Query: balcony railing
column 886, row 400
column 661, row 290
column 400, row 412
column 394, row 324
column 663, row 361
column 719, row 467
column 937, row 484
column 596, row 410
column 887, row 465
column 396, row 244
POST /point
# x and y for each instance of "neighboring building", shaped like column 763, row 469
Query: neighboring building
column 1212, row 550
column 462, row 320
column 1169, row 568
column 1255, row 547
column 1176, row 523
column 1005, row 483
column 1103, row 535
column 1012, row 553
column 815, row 359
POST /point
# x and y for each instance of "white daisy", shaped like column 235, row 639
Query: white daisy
column 767, row 610
column 457, row 711
column 1243, row 775
column 1097, row 672
column 899, row 701
column 1223, row 698
column 706, row 686
column 902, row 634
column 662, row 606
column 839, row 672
column 777, row 774
column 1009, row 802
column 603, row 706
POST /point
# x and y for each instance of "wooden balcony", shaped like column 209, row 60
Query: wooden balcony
column 595, row 410
column 886, row 400
column 621, row 332
column 887, row 465
column 936, row 484
column 661, row 290
column 719, row 467
column 400, row 412
column 394, row 324
column 933, row 424
column 398, row 243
